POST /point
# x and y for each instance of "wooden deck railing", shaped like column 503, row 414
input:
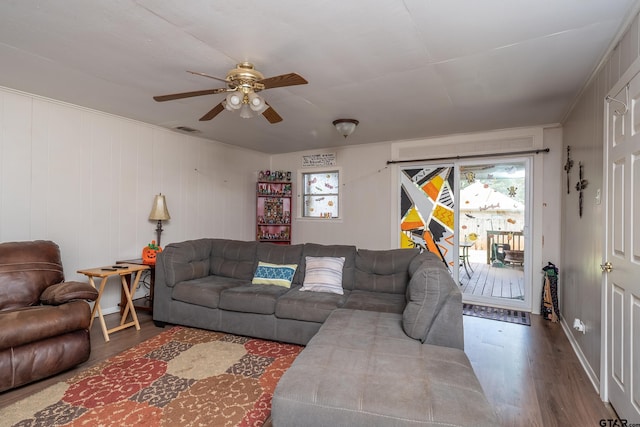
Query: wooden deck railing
column 515, row 240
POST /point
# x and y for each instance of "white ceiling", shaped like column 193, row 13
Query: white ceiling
column 404, row 68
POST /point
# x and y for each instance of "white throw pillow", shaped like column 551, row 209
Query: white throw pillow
column 323, row 274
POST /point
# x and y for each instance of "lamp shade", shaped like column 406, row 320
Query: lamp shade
column 256, row 102
column 345, row 126
column 159, row 211
column 245, row 112
column 234, row 100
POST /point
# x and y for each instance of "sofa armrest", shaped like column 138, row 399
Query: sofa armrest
column 433, row 313
column 64, row 292
column 178, row 262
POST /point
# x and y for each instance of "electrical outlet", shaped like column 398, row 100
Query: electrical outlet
column 579, row 326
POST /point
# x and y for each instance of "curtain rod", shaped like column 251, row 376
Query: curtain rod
column 471, row 156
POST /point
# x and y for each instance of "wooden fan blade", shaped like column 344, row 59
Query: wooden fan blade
column 206, row 75
column 271, row 115
column 212, row 113
column 173, row 96
column 282, row 80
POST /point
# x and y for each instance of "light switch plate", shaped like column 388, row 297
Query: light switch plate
column 598, row 197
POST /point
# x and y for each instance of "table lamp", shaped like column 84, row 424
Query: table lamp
column 159, row 212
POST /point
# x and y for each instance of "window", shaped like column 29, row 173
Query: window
column 320, row 194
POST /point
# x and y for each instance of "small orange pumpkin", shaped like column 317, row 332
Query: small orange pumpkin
column 150, row 252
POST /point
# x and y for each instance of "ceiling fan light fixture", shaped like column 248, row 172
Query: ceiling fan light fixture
column 256, row 102
column 261, row 109
column 345, row 127
column 245, row 112
column 242, row 85
column 234, row 100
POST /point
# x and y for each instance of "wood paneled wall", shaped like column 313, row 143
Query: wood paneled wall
column 582, row 237
column 86, row 180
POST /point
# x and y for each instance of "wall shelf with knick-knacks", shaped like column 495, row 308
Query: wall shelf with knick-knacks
column 273, row 207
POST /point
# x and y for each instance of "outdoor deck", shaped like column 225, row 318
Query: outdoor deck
column 486, row 280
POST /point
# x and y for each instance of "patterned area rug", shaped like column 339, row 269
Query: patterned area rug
column 181, row 377
column 502, row 314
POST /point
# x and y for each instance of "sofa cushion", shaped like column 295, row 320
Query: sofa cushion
column 274, row 274
column 260, row 299
column 375, row 301
column 383, row 271
column 323, row 274
column 186, row 260
column 233, row 258
column 346, row 251
column 308, row 306
column 360, row 369
column 204, row 291
column 282, row 254
column 428, row 289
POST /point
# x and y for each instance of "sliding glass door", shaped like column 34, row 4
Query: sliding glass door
column 492, row 228
column 474, row 216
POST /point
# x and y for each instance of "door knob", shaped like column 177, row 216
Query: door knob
column 606, row 267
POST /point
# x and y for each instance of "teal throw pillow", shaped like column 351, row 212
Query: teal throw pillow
column 274, row 274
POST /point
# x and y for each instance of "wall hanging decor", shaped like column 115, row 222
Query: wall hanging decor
column 318, row 160
column 567, row 168
column 581, row 185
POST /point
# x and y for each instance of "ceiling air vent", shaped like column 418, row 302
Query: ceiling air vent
column 186, row 129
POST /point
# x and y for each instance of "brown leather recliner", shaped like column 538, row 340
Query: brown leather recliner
column 44, row 321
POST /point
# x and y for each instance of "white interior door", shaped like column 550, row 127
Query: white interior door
column 623, row 252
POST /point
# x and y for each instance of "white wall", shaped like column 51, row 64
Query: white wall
column 583, row 242
column 554, row 183
column 365, row 183
column 370, row 192
column 86, row 180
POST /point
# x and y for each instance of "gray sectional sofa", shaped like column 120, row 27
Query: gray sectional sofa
column 388, row 351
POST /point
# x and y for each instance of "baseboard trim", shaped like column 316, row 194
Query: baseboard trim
column 581, row 357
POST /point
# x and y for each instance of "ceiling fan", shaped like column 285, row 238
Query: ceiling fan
column 243, row 84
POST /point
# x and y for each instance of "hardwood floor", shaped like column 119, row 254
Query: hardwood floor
column 529, row 374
